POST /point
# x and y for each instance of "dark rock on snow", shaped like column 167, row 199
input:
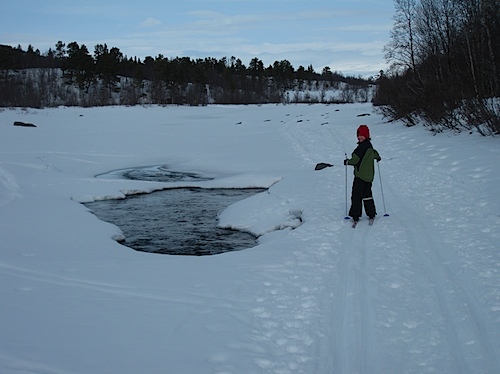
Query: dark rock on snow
column 23, row 124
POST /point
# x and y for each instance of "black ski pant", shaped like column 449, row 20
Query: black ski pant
column 362, row 195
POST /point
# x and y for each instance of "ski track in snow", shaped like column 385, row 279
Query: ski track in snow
column 453, row 326
column 392, row 297
column 8, row 187
column 355, row 327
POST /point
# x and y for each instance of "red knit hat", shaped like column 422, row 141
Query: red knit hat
column 363, row 130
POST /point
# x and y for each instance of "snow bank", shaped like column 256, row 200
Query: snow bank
column 417, row 292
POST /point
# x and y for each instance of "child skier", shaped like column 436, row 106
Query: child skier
column 363, row 161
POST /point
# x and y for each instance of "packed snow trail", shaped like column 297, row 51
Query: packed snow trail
column 8, row 187
column 417, row 292
column 434, row 316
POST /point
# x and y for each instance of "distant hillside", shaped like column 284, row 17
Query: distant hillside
column 71, row 76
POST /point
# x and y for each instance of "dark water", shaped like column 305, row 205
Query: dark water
column 161, row 174
column 181, row 221
column 155, row 173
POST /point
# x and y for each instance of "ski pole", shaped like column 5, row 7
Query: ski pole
column 346, row 216
column 382, row 189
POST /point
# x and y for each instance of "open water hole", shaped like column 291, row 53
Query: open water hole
column 178, row 221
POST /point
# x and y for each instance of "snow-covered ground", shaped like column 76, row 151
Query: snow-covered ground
column 418, row 292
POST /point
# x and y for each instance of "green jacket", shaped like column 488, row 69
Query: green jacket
column 363, row 159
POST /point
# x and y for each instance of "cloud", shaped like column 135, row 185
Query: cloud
column 363, row 28
column 150, row 22
column 347, row 38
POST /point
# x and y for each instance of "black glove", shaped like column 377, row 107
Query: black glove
column 346, row 161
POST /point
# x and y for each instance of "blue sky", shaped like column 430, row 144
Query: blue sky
column 347, row 36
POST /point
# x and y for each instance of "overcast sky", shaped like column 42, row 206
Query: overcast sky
column 348, row 36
